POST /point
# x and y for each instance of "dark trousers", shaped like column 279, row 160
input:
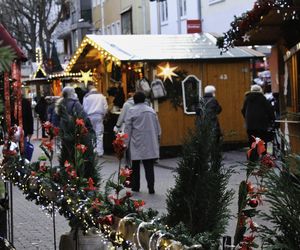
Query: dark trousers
column 149, row 174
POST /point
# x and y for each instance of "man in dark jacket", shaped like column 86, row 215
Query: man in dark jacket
column 258, row 114
column 41, row 110
column 27, row 118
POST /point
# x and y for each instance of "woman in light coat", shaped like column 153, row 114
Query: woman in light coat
column 144, row 132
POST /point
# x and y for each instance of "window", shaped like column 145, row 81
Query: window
column 113, row 29
column 191, row 92
column 182, row 7
column 95, row 3
column 126, row 22
column 164, row 11
column 108, row 30
column 118, row 28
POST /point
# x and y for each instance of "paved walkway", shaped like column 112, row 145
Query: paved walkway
column 33, row 228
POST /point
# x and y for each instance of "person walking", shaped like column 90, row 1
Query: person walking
column 41, row 110
column 143, row 129
column 211, row 109
column 258, row 114
column 69, row 103
column 121, row 119
column 27, row 119
column 95, row 105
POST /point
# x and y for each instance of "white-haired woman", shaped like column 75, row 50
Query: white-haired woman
column 69, row 103
column 210, row 109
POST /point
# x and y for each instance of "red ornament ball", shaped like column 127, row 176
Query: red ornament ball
column 253, row 203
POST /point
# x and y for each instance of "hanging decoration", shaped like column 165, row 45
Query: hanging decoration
column 40, row 72
column 246, row 38
column 7, row 100
column 85, row 77
column 16, row 75
column 167, row 72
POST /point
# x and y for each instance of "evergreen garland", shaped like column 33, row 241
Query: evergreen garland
column 6, row 57
column 174, row 89
column 199, row 199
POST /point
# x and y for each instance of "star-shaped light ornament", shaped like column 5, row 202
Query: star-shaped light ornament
column 85, row 77
column 246, row 38
column 167, row 72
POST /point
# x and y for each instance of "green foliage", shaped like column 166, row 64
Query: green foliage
column 283, row 195
column 174, row 89
column 71, row 134
column 6, row 57
column 181, row 233
column 242, row 202
column 200, row 199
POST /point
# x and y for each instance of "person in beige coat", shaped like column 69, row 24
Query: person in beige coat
column 143, row 129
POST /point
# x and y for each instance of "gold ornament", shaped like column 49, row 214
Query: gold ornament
column 175, row 245
column 127, row 228
column 144, row 231
column 85, row 77
column 164, row 241
column 167, row 72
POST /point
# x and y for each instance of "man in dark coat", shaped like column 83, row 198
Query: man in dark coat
column 27, row 118
column 258, row 114
column 41, row 110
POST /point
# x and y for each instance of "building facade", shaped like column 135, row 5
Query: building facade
column 73, row 29
column 115, row 17
column 195, row 16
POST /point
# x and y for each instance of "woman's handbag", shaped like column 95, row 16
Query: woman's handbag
column 28, row 152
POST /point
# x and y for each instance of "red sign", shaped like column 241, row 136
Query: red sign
column 194, row 26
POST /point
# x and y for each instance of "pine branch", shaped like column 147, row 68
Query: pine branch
column 7, row 55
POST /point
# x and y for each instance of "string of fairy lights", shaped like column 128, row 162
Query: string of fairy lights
column 102, row 52
column 112, row 239
column 52, row 197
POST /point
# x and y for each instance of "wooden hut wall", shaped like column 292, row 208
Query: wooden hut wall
column 293, row 105
column 230, row 94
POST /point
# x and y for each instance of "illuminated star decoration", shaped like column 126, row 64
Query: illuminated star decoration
column 167, row 72
column 246, row 38
column 85, row 77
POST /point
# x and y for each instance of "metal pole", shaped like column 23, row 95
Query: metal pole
column 179, row 17
column 158, row 17
column 54, row 228
column 11, row 213
column 37, row 127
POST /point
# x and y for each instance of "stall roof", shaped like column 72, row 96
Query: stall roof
column 161, row 47
column 8, row 40
column 141, row 48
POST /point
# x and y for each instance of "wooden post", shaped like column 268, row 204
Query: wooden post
column 124, row 79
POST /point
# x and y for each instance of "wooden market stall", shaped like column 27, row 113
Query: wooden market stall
column 185, row 63
column 278, row 25
column 10, row 109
